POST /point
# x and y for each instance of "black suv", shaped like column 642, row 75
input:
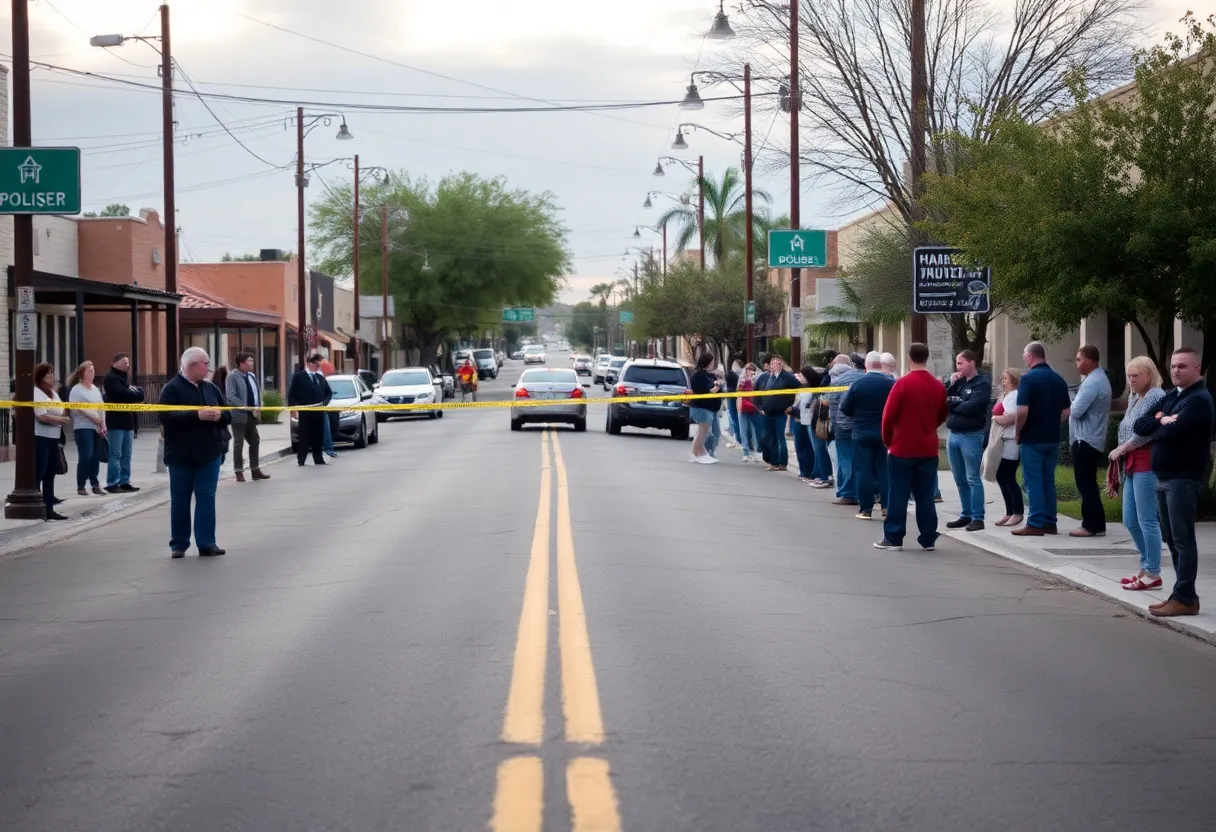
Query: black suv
column 650, row 377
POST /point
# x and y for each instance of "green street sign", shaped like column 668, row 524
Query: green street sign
column 39, row 180
column 626, row 317
column 797, row 249
column 519, row 315
column 749, row 312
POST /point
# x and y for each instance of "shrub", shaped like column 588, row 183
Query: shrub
column 781, row 347
column 272, row 398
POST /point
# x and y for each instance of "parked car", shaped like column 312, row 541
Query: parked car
column 601, row 364
column 518, row 355
column 369, row 378
column 562, row 386
column 582, row 365
column 409, row 385
column 449, row 381
column 613, row 371
column 354, row 426
column 534, row 354
column 650, row 377
column 486, row 364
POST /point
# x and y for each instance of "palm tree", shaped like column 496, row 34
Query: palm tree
column 725, row 217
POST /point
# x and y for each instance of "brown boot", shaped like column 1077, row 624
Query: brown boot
column 258, row 475
column 240, row 477
column 1174, row 607
column 1029, row 531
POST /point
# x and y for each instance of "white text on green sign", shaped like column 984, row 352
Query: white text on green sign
column 519, row 315
column 39, row 180
column 797, row 248
column 626, row 317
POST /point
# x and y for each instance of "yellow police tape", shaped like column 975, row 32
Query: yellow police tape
column 383, row 407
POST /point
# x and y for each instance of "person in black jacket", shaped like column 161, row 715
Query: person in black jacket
column 116, row 388
column 194, row 444
column 967, row 403
column 704, row 412
column 309, row 388
column 776, row 411
column 1182, row 459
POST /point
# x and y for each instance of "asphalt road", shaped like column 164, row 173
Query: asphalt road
column 466, row 626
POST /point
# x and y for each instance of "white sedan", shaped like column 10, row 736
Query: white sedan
column 411, row 385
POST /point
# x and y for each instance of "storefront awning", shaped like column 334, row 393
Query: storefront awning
column 200, row 309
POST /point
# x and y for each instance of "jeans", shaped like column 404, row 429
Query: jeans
column 199, row 483
column 88, row 463
column 911, row 476
column 1178, row 508
column 749, row 436
column 1085, row 461
column 766, row 445
column 804, row 450
column 243, row 432
column 870, row 472
column 965, row 450
column 1039, row 473
column 118, row 470
column 779, row 451
column 714, row 435
column 327, row 434
column 1140, row 517
column 846, row 484
column 823, row 460
column 46, row 468
column 732, row 408
column 1007, row 479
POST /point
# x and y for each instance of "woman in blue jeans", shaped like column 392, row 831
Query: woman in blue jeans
column 88, row 428
column 749, row 416
column 1139, row 483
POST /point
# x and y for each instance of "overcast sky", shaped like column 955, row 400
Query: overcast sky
column 598, row 165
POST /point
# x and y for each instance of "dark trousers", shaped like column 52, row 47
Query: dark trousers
column 870, row 471
column 766, row 446
column 198, row 484
column 911, row 476
column 1007, row 479
column 779, row 452
column 1178, row 509
column 310, row 436
column 88, row 458
column 245, row 432
column 1085, row 461
column 804, row 450
column 46, row 468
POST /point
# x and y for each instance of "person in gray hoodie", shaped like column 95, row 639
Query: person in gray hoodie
column 842, row 374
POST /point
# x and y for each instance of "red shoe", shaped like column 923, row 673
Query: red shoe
column 1132, row 579
column 1144, row 583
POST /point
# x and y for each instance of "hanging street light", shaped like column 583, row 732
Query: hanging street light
column 679, row 143
column 692, row 98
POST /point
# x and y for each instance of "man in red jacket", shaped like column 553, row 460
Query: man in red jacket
column 915, row 410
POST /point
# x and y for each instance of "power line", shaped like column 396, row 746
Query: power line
column 221, row 123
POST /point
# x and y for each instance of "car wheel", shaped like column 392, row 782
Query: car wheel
column 580, row 426
column 439, row 414
column 432, row 415
column 361, row 438
column 380, row 417
column 516, row 424
column 375, row 437
column 612, row 427
column 680, row 433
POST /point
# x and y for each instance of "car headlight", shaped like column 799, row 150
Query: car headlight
column 424, row 397
column 346, row 414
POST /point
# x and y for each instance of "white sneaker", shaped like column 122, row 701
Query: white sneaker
column 707, row 460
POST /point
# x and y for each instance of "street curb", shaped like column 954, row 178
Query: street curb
column 16, row 542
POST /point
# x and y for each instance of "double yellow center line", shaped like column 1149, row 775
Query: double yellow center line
column 519, row 796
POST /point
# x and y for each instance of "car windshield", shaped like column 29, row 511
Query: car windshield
column 484, row 354
column 549, row 377
column 666, row 376
column 603, row 359
column 405, row 378
column 534, row 349
column 617, row 362
column 343, row 388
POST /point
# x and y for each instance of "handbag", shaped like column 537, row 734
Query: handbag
column 63, row 462
column 1114, row 477
column 102, row 446
column 992, row 454
column 823, row 422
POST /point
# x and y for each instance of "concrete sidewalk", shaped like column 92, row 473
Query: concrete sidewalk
column 86, row 513
column 1093, row 564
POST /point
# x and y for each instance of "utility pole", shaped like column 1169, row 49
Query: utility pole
column 795, row 180
column 301, row 282
column 355, row 260
column 172, row 352
column 749, row 233
column 25, row 502
column 384, row 345
column 920, row 323
column 701, row 206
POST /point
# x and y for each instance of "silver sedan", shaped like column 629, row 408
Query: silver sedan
column 562, row 392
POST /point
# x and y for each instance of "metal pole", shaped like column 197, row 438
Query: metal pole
column 355, row 260
column 749, row 233
column 301, row 283
column 920, row 323
column 25, row 502
column 172, row 327
column 795, row 180
column 664, row 250
column 384, row 282
column 701, row 206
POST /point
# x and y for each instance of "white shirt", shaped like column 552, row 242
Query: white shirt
column 252, row 381
column 1010, row 404
column 80, row 418
column 40, row 428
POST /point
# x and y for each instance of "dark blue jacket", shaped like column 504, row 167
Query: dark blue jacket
column 1181, row 450
column 864, row 402
column 189, row 440
column 968, row 405
column 776, row 405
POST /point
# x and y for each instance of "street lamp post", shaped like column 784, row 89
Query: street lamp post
column 170, row 218
column 637, row 235
column 700, row 171
column 795, row 179
column 358, row 219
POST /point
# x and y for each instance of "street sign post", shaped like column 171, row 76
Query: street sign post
column 626, row 317
column 39, row 180
column 519, row 315
column 795, row 321
column 942, row 286
column 749, row 312
column 797, row 248
column 27, row 331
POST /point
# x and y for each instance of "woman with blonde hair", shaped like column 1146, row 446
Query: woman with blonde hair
column 1137, row 479
column 1005, row 415
column 89, row 427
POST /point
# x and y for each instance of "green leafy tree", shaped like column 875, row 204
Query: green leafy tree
column 725, row 217
column 229, row 257
column 459, row 250
column 114, row 209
